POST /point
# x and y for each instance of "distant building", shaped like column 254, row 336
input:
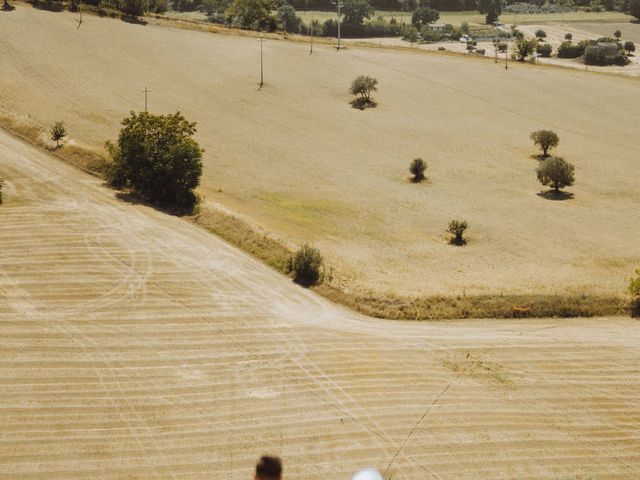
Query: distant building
column 437, row 27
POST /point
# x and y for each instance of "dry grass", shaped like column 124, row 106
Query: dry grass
column 239, row 233
column 476, row 306
column 86, row 159
column 294, row 159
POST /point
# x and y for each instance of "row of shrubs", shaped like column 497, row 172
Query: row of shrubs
column 593, row 53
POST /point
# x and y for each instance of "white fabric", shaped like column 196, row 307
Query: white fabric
column 368, row 474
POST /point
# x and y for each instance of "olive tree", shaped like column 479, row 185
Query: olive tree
column 6, row 6
column 457, row 229
column 57, row 132
column 417, row 169
column 617, row 34
column 568, row 36
column 556, row 173
column 306, row 266
column 363, row 86
column 630, row 47
column 158, row 158
column 546, row 140
column 541, row 34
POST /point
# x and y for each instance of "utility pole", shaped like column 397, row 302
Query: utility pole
column 311, row 38
column 506, row 57
column 339, row 5
column 146, row 92
column 261, row 68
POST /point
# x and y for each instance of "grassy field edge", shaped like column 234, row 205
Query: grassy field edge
column 275, row 253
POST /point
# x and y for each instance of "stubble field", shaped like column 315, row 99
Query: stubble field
column 136, row 346
column 295, row 159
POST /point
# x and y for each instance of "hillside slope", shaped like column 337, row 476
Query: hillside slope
column 297, row 160
column 136, row 346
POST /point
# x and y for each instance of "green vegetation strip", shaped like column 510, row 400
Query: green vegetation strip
column 276, row 254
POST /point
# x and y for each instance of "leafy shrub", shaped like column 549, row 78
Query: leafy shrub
column 157, row 157
column 306, row 266
column 634, row 291
column 57, row 132
column 556, row 173
column 441, row 49
column 417, row 169
column 634, row 8
column 568, row 36
column 544, row 50
column 620, row 60
column 567, row 49
column 363, row 86
column 545, row 139
column 429, row 35
column 524, row 48
column 457, row 229
column 540, row 34
column 595, row 55
column 480, row 51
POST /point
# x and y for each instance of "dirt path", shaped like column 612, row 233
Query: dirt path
column 135, row 345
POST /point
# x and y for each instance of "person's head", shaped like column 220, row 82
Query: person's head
column 269, row 468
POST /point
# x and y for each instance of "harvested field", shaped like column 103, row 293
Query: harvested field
column 296, row 160
column 135, row 345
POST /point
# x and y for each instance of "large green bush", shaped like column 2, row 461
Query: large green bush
column 306, row 266
column 568, row 49
column 594, row 55
column 157, row 157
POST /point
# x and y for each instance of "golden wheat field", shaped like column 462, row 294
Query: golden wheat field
column 135, row 345
column 297, row 160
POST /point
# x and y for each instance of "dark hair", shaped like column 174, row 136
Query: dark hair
column 269, row 468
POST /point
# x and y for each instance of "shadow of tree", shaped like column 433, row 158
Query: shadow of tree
column 133, row 198
column 553, row 195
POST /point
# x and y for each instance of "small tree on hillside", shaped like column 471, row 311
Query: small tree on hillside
column 306, row 266
column 617, row 34
column 457, row 229
column 630, row 47
column 556, row 173
column 363, row 86
column 541, row 34
column 157, row 157
column 417, row 169
column 6, row 6
column 424, row 16
column 568, row 36
column 546, row 140
column 57, row 132
column 634, row 291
